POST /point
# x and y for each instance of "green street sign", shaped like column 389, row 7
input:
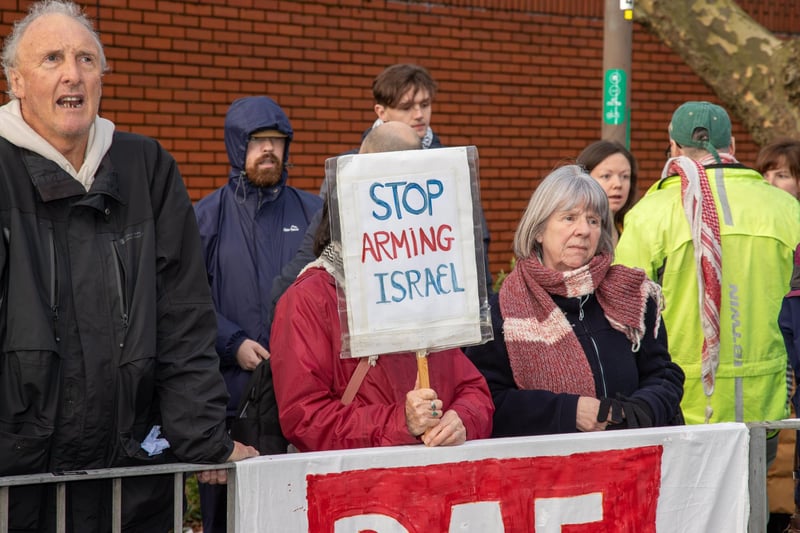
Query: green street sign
column 614, row 97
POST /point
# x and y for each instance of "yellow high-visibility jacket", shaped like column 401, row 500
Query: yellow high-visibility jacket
column 760, row 227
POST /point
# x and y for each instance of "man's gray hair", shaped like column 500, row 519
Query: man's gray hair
column 45, row 7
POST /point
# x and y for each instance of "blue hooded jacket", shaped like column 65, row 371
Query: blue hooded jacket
column 248, row 233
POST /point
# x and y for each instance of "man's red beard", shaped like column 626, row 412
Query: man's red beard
column 265, row 177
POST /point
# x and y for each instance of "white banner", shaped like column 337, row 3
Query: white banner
column 408, row 246
column 678, row 479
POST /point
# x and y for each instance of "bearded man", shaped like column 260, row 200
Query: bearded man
column 249, row 229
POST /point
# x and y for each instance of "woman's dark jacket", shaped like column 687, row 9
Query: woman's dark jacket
column 106, row 323
column 648, row 374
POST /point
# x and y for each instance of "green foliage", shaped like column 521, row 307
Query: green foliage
column 498, row 280
column 191, row 516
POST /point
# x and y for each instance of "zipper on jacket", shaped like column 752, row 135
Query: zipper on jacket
column 123, row 299
column 54, row 284
column 6, row 235
column 600, row 364
column 581, row 301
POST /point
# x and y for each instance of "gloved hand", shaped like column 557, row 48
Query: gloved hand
column 632, row 412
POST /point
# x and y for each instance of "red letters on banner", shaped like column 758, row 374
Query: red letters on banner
column 614, row 490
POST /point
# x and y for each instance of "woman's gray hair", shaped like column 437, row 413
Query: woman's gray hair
column 45, row 7
column 563, row 189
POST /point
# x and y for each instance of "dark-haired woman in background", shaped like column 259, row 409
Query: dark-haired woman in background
column 615, row 169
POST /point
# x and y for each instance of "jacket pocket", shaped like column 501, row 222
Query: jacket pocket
column 131, row 453
column 137, row 408
column 24, row 454
column 29, row 392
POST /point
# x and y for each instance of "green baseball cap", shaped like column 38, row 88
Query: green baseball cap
column 692, row 115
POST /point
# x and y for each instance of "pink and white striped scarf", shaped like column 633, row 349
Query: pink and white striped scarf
column 543, row 351
column 701, row 213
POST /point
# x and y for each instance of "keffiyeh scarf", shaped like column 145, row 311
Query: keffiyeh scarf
column 701, row 213
column 543, row 350
column 331, row 260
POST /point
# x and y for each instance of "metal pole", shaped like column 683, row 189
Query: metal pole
column 116, row 505
column 4, row 510
column 759, row 515
column 178, row 485
column 231, row 522
column 617, row 32
column 61, row 508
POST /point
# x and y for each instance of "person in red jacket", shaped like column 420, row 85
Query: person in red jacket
column 388, row 408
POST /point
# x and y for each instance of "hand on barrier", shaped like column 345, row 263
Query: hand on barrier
column 220, row 477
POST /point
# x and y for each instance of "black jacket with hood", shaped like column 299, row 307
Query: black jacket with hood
column 107, row 330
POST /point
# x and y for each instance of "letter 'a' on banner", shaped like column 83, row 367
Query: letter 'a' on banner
column 411, row 238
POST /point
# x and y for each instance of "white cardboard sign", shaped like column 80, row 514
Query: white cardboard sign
column 408, row 247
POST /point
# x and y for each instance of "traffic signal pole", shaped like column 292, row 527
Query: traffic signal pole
column 617, row 32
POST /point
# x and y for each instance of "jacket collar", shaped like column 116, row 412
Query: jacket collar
column 54, row 183
column 743, row 171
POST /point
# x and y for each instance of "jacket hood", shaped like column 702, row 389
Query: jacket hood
column 250, row 114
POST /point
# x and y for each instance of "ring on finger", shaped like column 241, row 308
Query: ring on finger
column 434, row 414
column 433, row 405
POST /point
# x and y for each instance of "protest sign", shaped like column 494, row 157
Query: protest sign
column 411, row 250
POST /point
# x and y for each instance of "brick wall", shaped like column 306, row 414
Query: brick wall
column 521, row 80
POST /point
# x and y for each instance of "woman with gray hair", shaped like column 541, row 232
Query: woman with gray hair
column 578, row 343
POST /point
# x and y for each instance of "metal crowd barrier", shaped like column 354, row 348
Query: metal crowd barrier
column 757, row 485
column 178, row 470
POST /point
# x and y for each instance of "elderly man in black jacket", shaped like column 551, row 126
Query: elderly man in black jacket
column 106, row 322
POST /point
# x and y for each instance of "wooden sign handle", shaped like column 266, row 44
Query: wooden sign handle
column 422, row 369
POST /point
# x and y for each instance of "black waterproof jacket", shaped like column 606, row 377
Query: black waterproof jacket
column 107, row 330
